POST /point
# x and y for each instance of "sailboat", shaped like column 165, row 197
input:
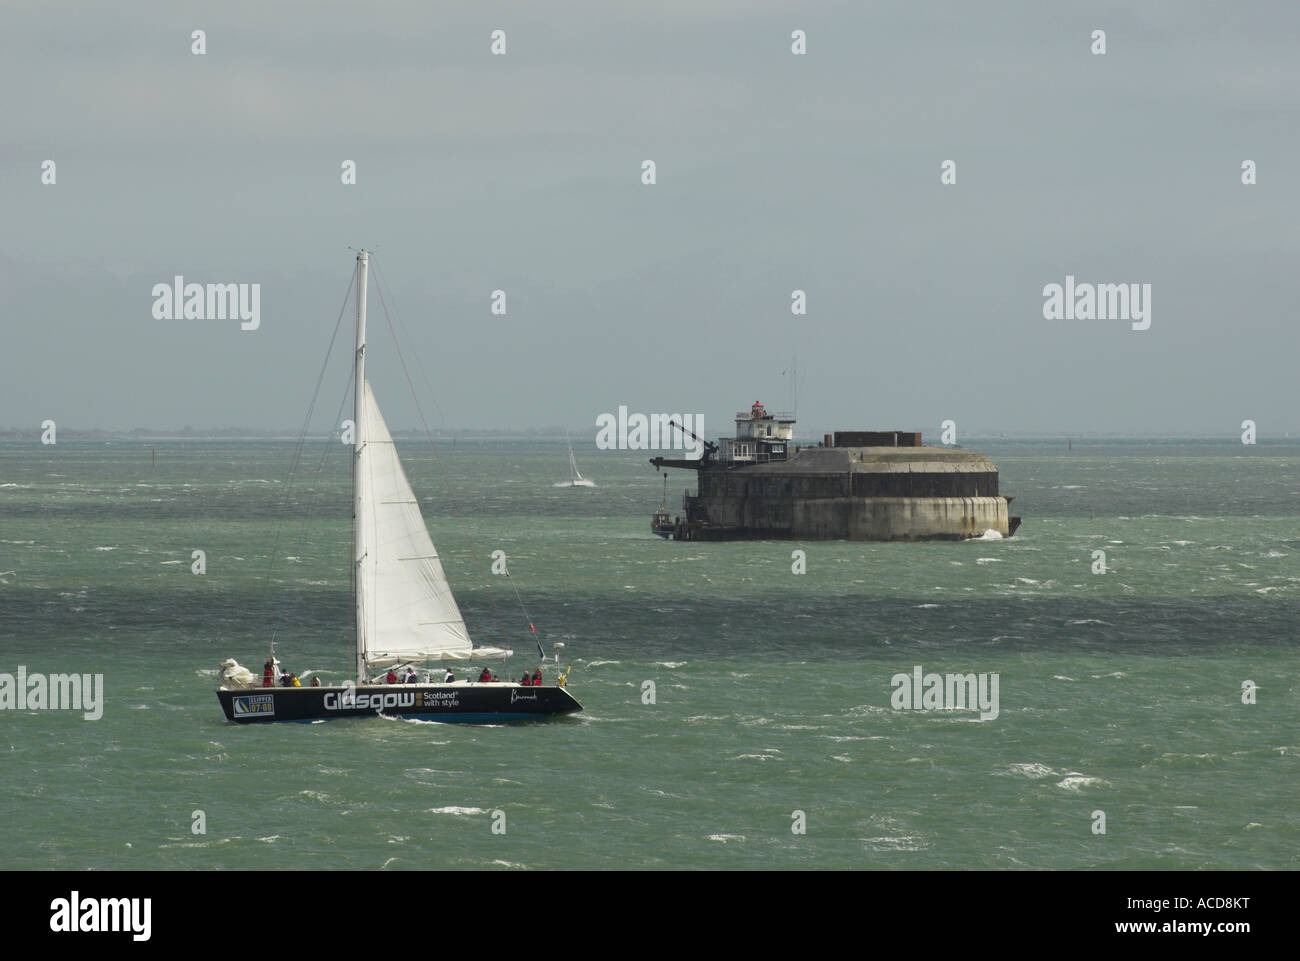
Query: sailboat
column 662, row 522
column 405, row 611
column 576, row 480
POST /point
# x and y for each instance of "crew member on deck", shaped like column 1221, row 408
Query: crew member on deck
column 537, row 678
column 268, row 673
column 390, row 677
column 410, row 675
column 449, row 678
column 525, row 680
column 485, row 676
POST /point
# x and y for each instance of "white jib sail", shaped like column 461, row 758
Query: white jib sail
column 405, row 608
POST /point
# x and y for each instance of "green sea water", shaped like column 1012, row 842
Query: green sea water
column 1119, row 692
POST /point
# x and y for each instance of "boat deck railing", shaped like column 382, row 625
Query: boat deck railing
column 431, row 682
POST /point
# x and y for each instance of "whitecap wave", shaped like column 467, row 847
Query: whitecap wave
column 1077, row 782
column 1029, row 769
column 453, row 809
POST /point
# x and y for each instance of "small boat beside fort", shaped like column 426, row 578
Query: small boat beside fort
column 662, row 522
column 867, row 485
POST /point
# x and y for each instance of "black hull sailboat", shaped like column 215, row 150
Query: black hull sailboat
column 462, row 701
column 405, row 611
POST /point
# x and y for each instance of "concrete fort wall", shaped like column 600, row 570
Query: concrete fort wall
column 857, row 493
column 901, row 518
column 835, row 506
column 876, row 519
column 772, row 486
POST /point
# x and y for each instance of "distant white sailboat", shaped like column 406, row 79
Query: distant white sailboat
column 577, row 480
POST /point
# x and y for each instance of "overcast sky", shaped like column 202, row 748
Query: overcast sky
column 775, row 172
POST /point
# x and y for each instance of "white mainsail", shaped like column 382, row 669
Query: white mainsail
column 405, row 608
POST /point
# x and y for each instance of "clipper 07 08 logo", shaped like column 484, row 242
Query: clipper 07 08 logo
column 260, row 704
column 348, row 700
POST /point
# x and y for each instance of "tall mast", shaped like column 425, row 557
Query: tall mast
column 359, row 441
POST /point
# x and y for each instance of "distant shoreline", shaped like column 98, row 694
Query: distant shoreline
column 970, row 440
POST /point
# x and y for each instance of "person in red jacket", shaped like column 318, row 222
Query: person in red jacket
column 537, row 678
column 391, row 677
column 268, row 673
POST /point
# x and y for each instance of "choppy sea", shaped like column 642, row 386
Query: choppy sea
column 737, row 714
